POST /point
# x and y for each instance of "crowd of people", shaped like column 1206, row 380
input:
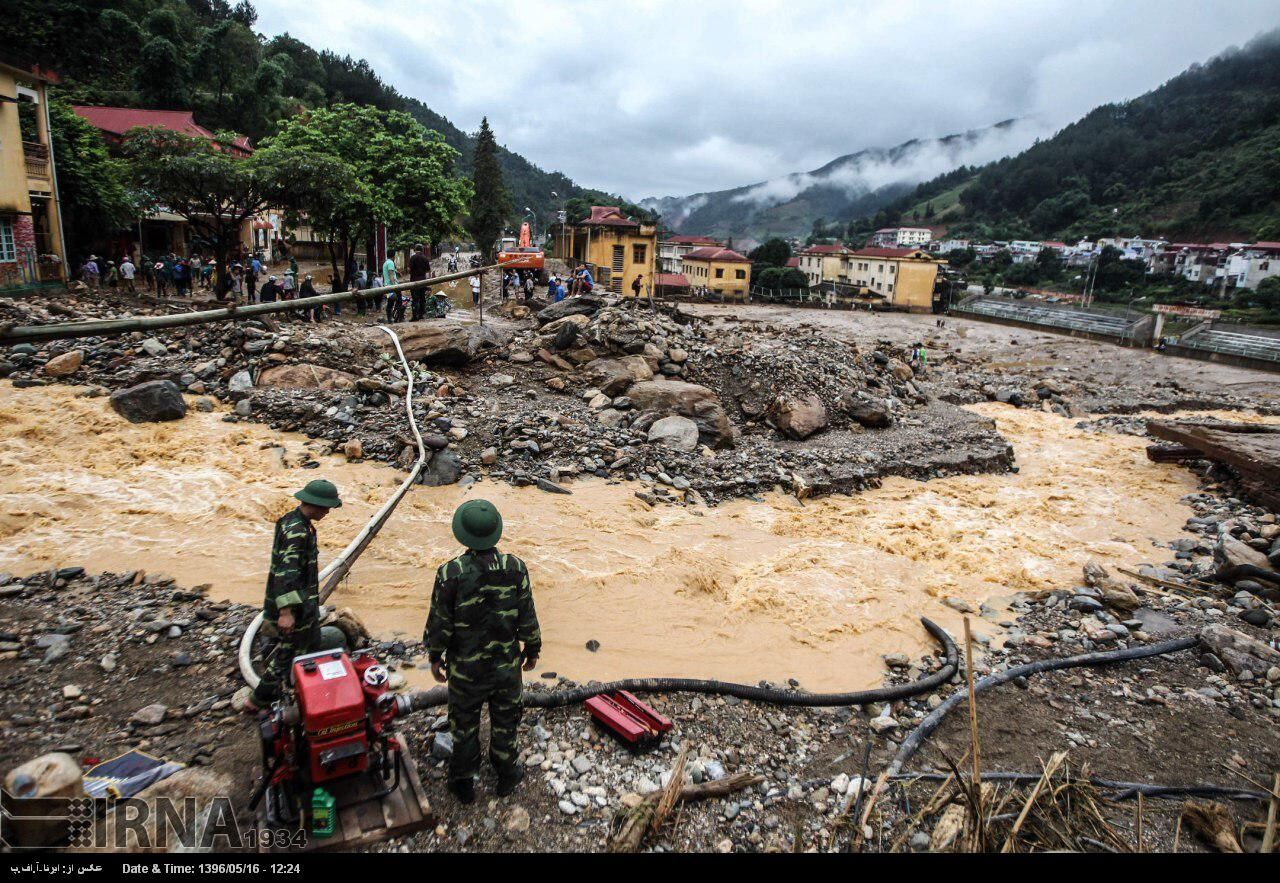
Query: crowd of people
column 248, row 280
column 159, row 275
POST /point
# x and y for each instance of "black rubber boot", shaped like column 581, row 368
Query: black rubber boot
column 507, row 783
column 464, row 790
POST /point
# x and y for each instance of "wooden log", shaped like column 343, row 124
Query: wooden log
column 1172, row 453
column 637, row 821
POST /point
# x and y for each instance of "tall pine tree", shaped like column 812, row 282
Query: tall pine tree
column 490, row 202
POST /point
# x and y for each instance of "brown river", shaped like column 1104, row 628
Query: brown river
column 746, row 591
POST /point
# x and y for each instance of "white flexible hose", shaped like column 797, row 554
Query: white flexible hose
column 338, row 568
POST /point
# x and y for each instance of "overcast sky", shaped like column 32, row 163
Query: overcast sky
column 670, row 97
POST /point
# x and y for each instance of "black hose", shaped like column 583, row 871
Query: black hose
column 561, row 698
column 912, row 743
column 1124, row 790
column 1238, row 572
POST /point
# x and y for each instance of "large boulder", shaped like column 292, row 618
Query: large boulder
column 798, row 417
column 583, row 305
column 446, row 343
column 150, row 402
column 67, row 363
column 868, row 411
column 1239, row 651
column 678, row 433
column 613, row 376
column 1234, row 558
column 305, row 376
column 1115, row 594
column 444, row 468
column 699, row 404
column 577, row 320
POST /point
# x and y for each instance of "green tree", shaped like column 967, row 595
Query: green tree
column 1268, row 294
column 91, row 185
column 227, row 56
column 396, row 172
column 490, row 202
column 215, row 190
column 775, row 252
column 161, row 74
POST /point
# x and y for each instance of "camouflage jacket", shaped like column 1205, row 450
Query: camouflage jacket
column 481, row 610
column 294, row 577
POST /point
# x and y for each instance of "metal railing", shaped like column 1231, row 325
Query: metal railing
column 36, row 157
column 1235, row 343
column 1052, row 317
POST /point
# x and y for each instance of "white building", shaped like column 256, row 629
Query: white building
column 901, row 237
column 671, row 252
column 1249, row 265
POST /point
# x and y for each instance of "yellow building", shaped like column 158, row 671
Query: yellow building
column 904, row 277
column 616, row 248
column 31, row 240
column 719, row 270
column 822, row 263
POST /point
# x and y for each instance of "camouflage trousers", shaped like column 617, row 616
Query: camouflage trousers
column 299, row 642
column 503, row 696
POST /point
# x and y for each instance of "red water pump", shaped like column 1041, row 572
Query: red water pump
column 334, row 720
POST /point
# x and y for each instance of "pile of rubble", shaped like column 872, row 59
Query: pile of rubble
column 587, row 386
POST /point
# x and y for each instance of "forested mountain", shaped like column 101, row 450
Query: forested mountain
column 1199, row 157
column 849, row 187
column 205, row 55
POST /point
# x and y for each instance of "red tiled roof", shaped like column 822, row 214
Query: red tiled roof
column 119, row 120
column 671, row 280
column 885, row 252
column 608, row 216
column 793, row 262
column 1266, row 246
column 693, row 240
column 715, row 253
column 825, row 249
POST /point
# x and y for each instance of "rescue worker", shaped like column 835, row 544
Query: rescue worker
column 481, row 613
column 292, row 602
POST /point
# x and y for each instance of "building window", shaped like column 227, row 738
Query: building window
column 719, row 272
column 741, row 274
column 638, row 254
column 8, row 251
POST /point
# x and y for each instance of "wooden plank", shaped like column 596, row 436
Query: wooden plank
column 363, row 820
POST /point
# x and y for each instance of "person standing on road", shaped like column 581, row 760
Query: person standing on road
column 419, row 269
column 127, row 272
column 395, row 306
column 475, row 290
column 482, row 630
column 89, row 272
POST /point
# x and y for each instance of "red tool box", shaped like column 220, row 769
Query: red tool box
column 622, row 714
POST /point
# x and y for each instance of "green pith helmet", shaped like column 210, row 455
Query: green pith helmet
column 320, row 493
column 477, row 525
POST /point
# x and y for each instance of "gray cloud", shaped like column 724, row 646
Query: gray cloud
column 662, row 97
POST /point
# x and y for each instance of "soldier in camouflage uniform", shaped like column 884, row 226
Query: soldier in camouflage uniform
column 292, row 604
column 481, row 613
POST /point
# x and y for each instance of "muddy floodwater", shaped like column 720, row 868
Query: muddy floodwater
column 746, row 591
